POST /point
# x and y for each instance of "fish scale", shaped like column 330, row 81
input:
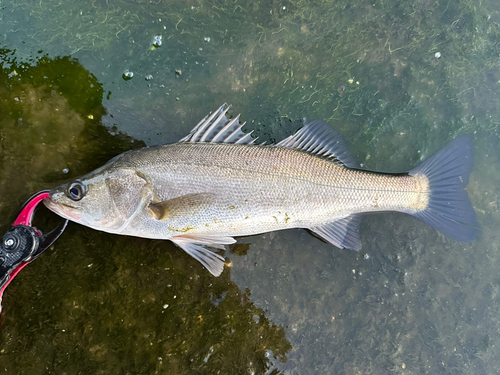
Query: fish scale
column 312, row 190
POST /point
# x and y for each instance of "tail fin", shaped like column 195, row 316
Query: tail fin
column 449, row 209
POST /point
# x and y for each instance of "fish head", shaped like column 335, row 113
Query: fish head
column 104, row 200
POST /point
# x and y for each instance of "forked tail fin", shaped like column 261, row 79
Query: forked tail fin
column 449, row 209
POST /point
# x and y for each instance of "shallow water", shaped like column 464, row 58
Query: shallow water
column 398, row 79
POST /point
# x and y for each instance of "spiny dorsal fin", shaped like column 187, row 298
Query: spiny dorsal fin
column 217, row 128
column 319, row 138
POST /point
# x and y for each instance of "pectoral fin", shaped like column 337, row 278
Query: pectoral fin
column 202, row 248
column 183, row 206
column 343, row 233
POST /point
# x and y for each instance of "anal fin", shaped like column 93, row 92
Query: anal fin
column 202, row 247
column 343, row 233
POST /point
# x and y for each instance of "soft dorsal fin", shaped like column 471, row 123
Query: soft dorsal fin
column 217, row 128
column 319, row 138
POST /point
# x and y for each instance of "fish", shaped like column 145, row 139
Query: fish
column 217, row 183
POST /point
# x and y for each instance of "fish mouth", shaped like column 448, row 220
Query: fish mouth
column 61, row 209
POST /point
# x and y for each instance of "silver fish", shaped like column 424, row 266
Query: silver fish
column 216, row 184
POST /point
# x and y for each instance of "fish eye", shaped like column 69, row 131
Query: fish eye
column 76, row 191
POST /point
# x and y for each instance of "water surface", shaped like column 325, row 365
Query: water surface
column 82, row 82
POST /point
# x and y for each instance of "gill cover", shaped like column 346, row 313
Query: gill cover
column 130, row 193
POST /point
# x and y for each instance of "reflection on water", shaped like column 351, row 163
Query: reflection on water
column 397, row 78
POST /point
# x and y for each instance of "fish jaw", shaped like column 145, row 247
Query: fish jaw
column 62, row 210
column 81, row 217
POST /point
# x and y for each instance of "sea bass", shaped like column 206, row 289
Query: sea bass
column 216, row 184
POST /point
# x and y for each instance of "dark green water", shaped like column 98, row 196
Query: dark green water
column 397, row 78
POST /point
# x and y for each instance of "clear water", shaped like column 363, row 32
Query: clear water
column 83, row 81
